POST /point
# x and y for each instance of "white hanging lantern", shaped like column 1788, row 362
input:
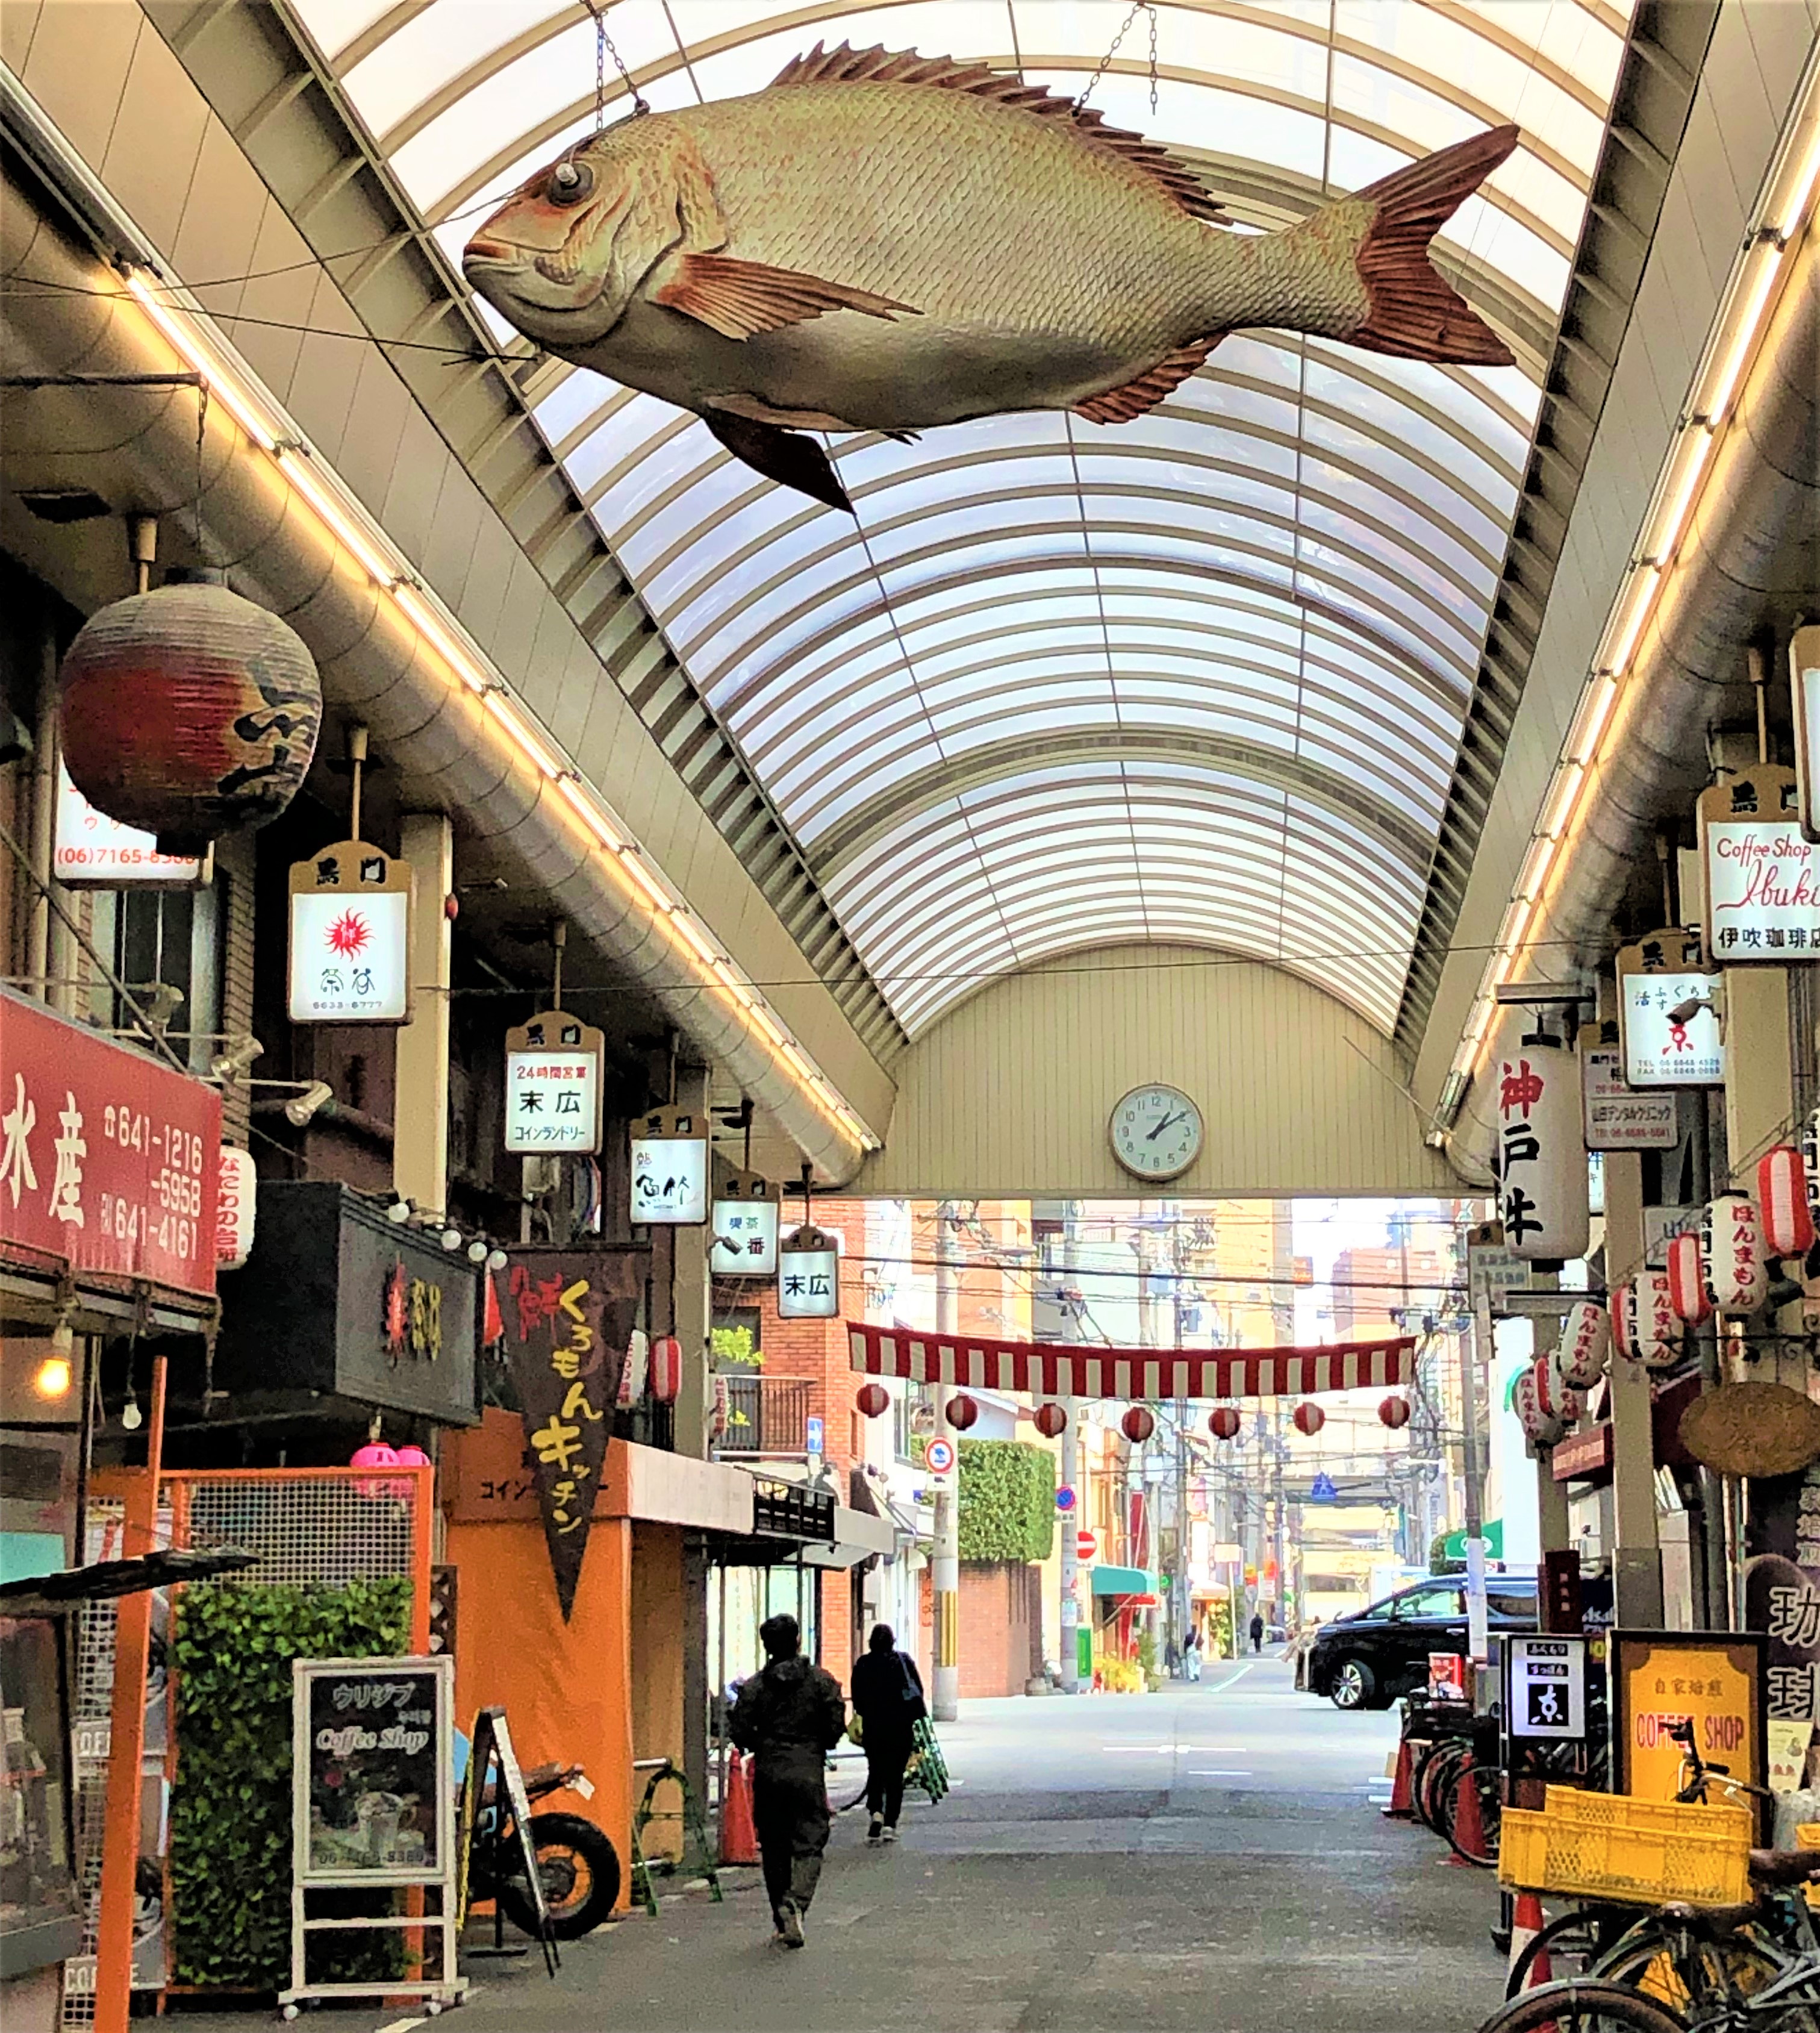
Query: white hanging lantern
column 1539, row 1428
column 1731, row 1246
column 1556, row 1397
column 1811, row 1164
column 1783, row 1199
column 1621, row 1306
column 1687, row 1293
column 1586, row 1345
column 1541, row 1158
column 1656, row 1327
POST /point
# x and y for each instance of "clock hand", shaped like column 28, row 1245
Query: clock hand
column 1165, row 1123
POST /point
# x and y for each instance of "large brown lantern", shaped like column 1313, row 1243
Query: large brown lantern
column 961, row 1411
column 1049, row 1420
column 1224, row 1422
column 1308, row 1419
column 189, row 713
column 874, row 1400
column 1139, row 1423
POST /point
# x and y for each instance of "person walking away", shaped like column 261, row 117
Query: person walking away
column 790, row 1716
column 1258, row 1630
column 887, row 1698
column 1191, row 1654
column 1171, row 1659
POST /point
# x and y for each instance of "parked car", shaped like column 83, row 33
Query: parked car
column 1365, row 1660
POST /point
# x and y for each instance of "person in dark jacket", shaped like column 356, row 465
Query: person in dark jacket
column 887, row 1698
column 790, row 1716
column 1258, row 1630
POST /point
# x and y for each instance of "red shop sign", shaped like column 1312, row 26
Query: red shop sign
column 108, row 1159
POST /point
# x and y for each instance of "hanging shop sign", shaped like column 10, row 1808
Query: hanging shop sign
column 568, row 1316
column 745, row 1222
column 1660, row 1225
column 669, row 1162
column 1493, row 1272
column 553, row 1087
column 1759, row 873
column 1546, row 1688
column 1542, row 1168
column 337, row 1301
column 350, row 936
column 1660, row 1677
column 1804, row 690
column 235, row 1204
column 809, row 1275
column 1732, row 1255
column 1616, row 1116
column 90, row 851
column 1782, row 1600
column 1668, row 1032
column 108, row 1157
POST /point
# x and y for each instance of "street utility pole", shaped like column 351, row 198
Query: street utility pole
column 946, row 1579
column 1072, row 1520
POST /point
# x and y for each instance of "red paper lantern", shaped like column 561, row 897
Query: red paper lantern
column 1556, row 1398
column 1782, row 1197
column 1224, row 1422
column 1622, row 1306
column 1687, row 1292
column 1049, row 1420
column 873, row 1399
column 1732, row 1248
column 375, row 1453
column 666, row 1372
column 189, row 713
column 1308, row 1420
column 1538, row 1426
column 1655, row 1332
column 961, row 1411
column 413, row 1457
column 1139, row 1423
column 1394, row 1412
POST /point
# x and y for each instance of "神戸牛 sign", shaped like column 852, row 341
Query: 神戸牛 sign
column 670, row 1164
column 350, row 936
column 1759, row 872
column 568, row 1318
column 1542, row 1169
column 1617, row 1116
column 746, row 1214
column 109, row 1159
column 553, row 1089
column 1714, row 1679
column 1667, row 1029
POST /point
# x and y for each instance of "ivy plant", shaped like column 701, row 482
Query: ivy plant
column 230, row 1805
column 1008, row 1501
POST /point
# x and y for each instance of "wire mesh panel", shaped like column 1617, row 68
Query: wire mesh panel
column 319, row 1528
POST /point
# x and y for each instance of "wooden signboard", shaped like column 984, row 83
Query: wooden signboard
column 1715, row 1677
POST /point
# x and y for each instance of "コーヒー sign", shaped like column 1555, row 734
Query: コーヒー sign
column 1660, row 1679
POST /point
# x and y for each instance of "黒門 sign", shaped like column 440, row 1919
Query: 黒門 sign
column 350, row 936
column 808, row 1276
column 670, row 1169
column 1715, row 1678
column 1542, row 1169
column 1616, row 1116
column 1665, row 1043
column 1759, row 872
column 553, row 1085
column 745, row 1228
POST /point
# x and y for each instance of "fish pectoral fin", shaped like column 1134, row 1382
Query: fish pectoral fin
column 1132, row 398
column 786, row 457
column 739, row 298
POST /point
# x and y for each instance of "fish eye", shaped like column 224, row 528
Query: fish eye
column 569, row 183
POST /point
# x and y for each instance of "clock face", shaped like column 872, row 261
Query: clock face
column 1156, row 1132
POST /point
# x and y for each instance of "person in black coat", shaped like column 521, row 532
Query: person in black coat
column 887, row 1698
column 788, row 1716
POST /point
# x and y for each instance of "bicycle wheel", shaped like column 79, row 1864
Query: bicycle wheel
column 1572, row 1942
column 1648, row 1961
column 1436, row 1763
column 1582, row 2007
column 1483, row 1780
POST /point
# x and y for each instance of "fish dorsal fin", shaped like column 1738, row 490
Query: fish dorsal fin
column 879, row 65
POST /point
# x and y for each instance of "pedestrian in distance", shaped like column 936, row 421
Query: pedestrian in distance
column 1172, row 1658
column 790, row 1716
column 1191, row 1654
column 887, row 1698
column 1258, row 1630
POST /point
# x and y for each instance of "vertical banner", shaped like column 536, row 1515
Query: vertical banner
column 1542, row 1165
column 1782, row 1600
column 566, row 1331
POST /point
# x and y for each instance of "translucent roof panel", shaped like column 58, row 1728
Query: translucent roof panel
column 1201, row 676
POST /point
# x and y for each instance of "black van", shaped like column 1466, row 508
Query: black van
column 1367, row 1659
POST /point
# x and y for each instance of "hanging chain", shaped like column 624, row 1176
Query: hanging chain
column 605, row 46
column 1142, row 7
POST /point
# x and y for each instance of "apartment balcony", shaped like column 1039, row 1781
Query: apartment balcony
column 767, row 1418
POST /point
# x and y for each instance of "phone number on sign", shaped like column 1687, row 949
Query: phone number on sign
column 126, row 1221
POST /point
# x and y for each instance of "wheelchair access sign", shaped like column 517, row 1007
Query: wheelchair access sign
column 1546, row 1688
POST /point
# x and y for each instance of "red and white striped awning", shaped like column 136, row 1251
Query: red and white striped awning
column 1054, row 1369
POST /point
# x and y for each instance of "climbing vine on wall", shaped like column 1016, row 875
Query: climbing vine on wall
column 231, row 1807
column 1008, row 1501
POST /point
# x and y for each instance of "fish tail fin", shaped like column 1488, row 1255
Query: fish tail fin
column 1414, row 312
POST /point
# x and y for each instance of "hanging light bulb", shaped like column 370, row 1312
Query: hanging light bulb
column 131, row 1417
column 477, row 1251
column 495, row 1260
column 451, row 1239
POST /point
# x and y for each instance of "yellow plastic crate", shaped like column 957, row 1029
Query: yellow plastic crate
column 1807, row 1836
column 1643, row 1852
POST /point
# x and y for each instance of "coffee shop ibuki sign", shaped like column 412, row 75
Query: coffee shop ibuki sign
column 1761, row 875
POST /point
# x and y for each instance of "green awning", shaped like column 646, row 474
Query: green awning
column 1124, row 1581
column 1453, row 1546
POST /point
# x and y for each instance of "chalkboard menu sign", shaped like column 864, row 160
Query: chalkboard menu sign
column 373, row 1789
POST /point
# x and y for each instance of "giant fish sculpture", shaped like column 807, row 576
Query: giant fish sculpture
column 886, row 242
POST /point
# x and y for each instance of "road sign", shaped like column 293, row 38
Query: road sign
column 1322, row 1491
column 1086, row 1545
column 938, row 1456
column 1064, row 1498
column 816, row 1432
column 1547, row 1693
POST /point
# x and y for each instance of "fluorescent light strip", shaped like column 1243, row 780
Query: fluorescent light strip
column 181, row 327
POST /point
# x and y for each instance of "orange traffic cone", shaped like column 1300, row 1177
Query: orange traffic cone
column 1468, row 1824
column 1402, row 1807
column 1526, row 1923
column 738, row 1837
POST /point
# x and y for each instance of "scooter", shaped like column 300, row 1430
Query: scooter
column 576, row 1862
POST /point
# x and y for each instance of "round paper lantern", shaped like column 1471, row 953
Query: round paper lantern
column 375, row 1453
column 1394, row 1412
column 1308, row 1420
column 1656, row 1327
column 1555, row 1396
column 1811, row 1164
column 1732, row 1247
column 1224, row 1422
column 413, row 1457
column 666, row 1368
column 1542, row 1157
column 1586, row 1345
column 961, row 1411
column 1139, row 1423
column 1687, row 1292
column 1622, row 1307
column 188, row 712
column 1783, row 1202
column 874, row 1400
column 1539, row 1428
column 1049, row 1420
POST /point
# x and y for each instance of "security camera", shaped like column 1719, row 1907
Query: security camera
column 317, row 1096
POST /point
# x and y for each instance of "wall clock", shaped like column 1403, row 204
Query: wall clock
column 1156, row 1132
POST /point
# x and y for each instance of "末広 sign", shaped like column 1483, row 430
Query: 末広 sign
column 1545, row 1687
column 350, row 936
column 1667, row 1029
column 553, row 1085
column 568, row 1316
column 809, row 1275
column 1617, row 1116
column 108, row 1157
column 1759, row 872
column 669, row 1161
